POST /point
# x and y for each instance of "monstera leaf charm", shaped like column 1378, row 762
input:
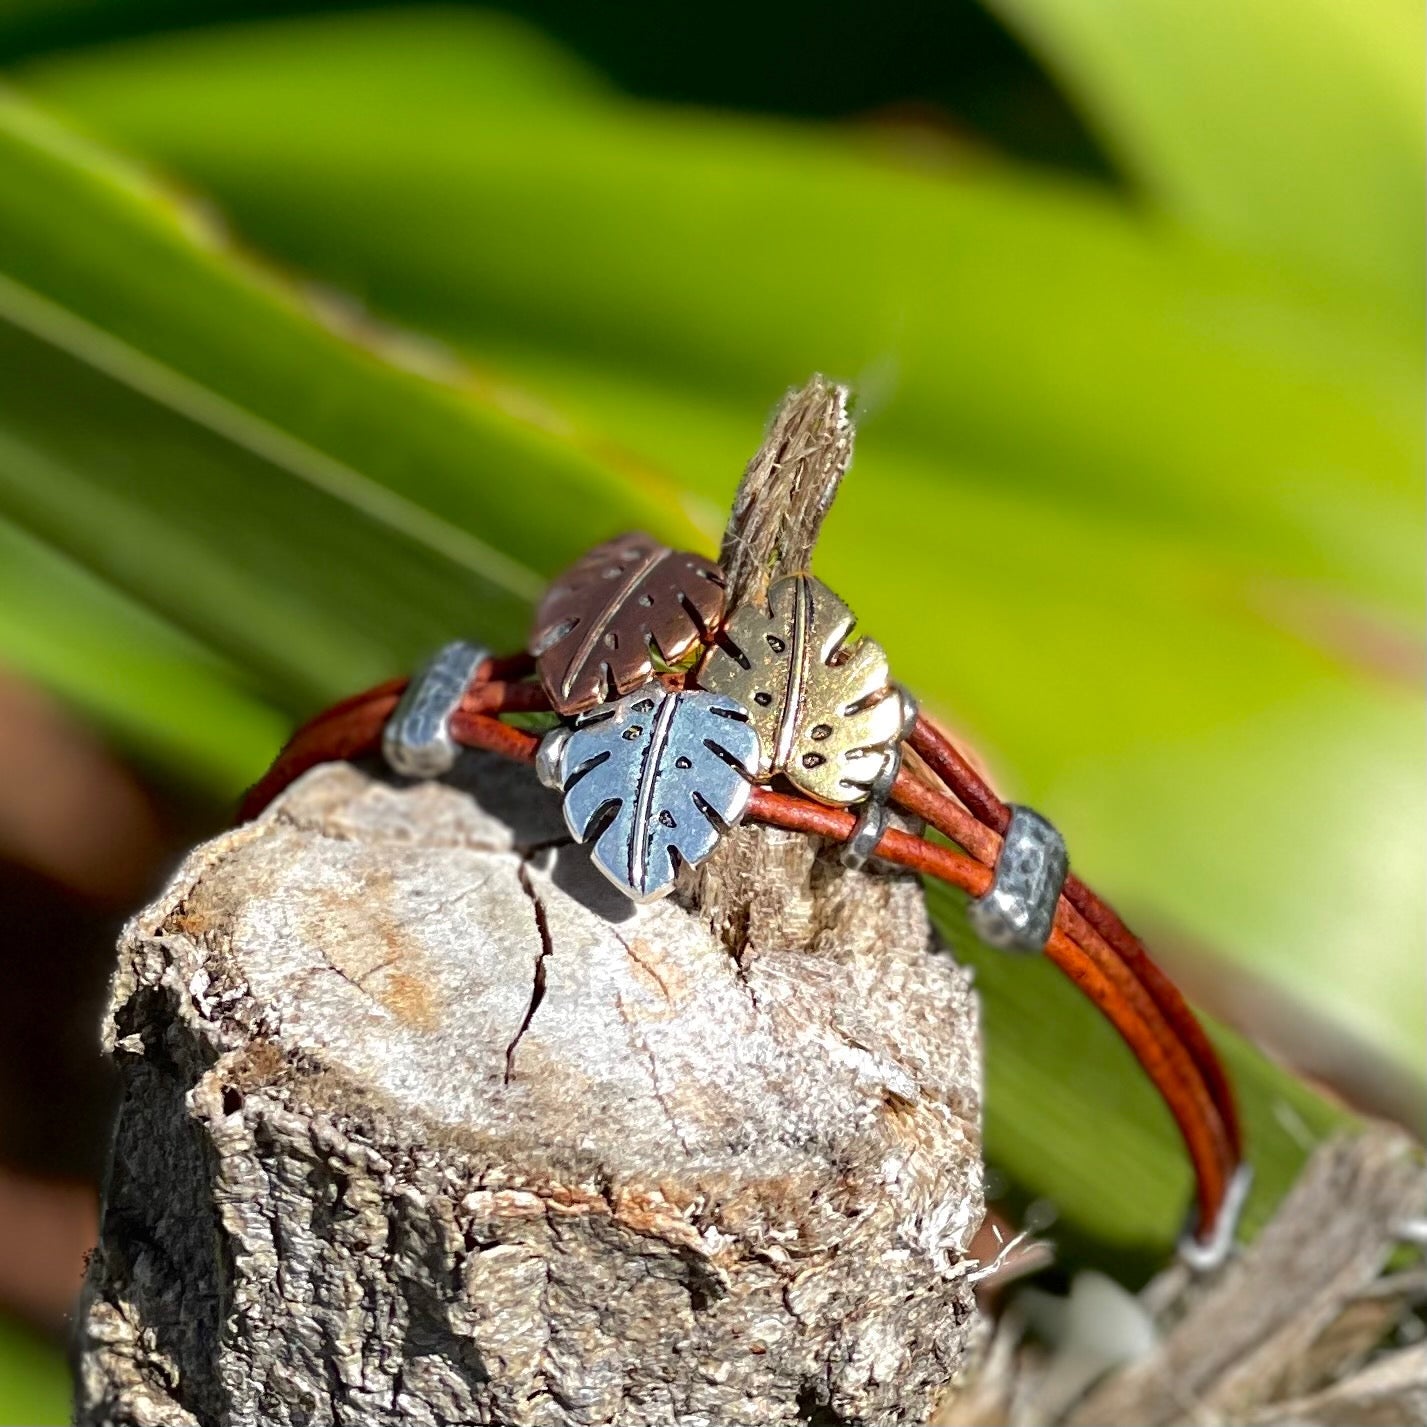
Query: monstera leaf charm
column 596, row 624
column 827, row 715
column 656, row 775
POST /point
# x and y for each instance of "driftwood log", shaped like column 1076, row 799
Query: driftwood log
column 422, row 1123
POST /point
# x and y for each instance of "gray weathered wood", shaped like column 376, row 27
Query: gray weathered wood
column 422, row 1123
column 764, row 887
column 1301, row 1327
column 787, row 490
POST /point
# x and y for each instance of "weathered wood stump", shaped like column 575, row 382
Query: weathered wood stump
column 423, row 1123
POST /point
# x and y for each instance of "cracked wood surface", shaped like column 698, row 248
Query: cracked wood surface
column 423, row 1123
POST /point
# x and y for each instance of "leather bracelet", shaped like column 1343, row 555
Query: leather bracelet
column 777, row 718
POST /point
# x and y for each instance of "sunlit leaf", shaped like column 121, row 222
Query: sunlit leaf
column 34, row 1381
column 118, row 274
column 1161, row 373
column 1291, row 127
column 163, row 695
column 223, row 492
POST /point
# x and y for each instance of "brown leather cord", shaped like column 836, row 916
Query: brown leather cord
column 484, row 731
column 1134, row 995
column 953, row 820
column 942, row 756
column 333, row 737
column 510, row 667
column 949, row 818
column 1167, row 996
column 393, row 688
column 1075, row 947
column 946, row 760
column 352, row 728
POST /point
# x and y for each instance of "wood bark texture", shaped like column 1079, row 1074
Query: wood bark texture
column 423, row 1123
column 748, row 889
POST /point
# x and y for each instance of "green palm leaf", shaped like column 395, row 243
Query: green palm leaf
column 1289, row 127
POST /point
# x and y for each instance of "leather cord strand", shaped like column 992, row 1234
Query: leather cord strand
column 943, row 757
column 1095, row 969
column 1089, row 942
column 352, row 728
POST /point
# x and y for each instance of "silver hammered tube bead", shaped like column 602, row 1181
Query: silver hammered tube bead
column 416, row 741
column 1017, row 911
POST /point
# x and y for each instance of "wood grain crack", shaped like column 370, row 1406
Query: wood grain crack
column 537, row 989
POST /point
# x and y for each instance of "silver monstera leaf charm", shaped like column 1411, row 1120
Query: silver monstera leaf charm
column 654, row 779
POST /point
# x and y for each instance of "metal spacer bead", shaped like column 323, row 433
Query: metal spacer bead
column 1017, row 912
column 909, row 713
column 416, row 741
column 871, row 824
column 1205, row 1255
column 872, row 820
column 548, row 756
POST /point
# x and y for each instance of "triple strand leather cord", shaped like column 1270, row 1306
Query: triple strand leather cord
column 1088, row 941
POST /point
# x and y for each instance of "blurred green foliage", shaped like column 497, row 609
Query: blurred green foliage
column 815, row 58
column 1159, row 443
column 1287, row 127
column 34, row 1390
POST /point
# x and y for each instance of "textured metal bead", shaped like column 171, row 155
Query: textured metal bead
column 1017, row 911
column 416, row 741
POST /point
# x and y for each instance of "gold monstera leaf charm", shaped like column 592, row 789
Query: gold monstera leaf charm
column 827, row 714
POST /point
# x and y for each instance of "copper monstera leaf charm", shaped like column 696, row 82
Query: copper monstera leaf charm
column 827, row 714
column 596, row 625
